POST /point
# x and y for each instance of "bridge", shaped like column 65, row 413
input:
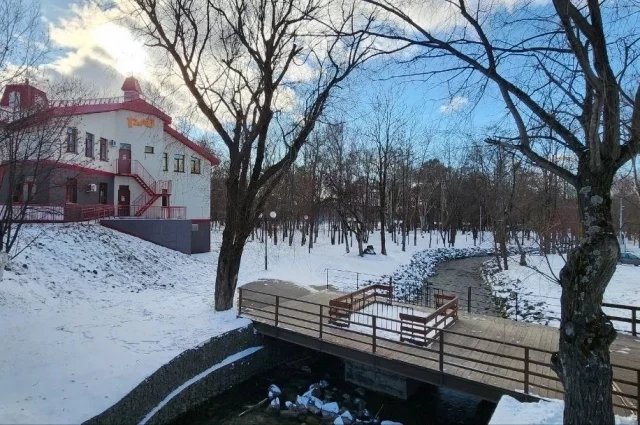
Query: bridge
column 432, row 343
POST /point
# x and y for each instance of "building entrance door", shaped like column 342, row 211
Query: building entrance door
column 124, row 161
column 124, row 201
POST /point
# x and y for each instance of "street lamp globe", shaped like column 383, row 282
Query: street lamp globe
column 272, row 214
column 306, row 217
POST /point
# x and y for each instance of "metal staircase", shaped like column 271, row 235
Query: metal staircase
column 152, row 190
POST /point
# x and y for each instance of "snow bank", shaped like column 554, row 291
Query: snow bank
column 231, row 359
column 539, row 294
column 545, row 412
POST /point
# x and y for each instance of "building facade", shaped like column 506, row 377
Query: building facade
column 118, row 157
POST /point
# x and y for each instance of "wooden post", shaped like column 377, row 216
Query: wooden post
column 469, row 300
column 277, row 308
column 373, row 347
column 321, row 321
column 239, row 301
column 526, row 370
column 357, row 281
column 327, row 278
column 441, row 351
column 633, row 330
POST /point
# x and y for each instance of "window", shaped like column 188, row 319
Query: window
column 195, row 165
column 18, row 191
column 104, row 153
column 148, row 149
column 178, row 163
column 165, row 161
column 88, row 145
column 103, row 188
column 72, row 191
column 29, row 190
column 72, row 139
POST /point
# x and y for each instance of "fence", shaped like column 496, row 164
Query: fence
column 479, row 300
column 517, row 367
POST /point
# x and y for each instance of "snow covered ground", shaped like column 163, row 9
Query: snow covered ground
column 539, row 293
column 545, row 412
column 88, row 312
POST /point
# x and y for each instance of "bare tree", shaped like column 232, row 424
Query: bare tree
column 564, row 75
column 261, row 72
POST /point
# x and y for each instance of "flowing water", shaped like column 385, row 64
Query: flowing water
column 429, row 405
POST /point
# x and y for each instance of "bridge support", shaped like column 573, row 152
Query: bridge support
column 379, row 380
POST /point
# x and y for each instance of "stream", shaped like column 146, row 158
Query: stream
column 429, row 405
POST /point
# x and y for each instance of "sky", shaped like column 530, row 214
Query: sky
column 88, row 42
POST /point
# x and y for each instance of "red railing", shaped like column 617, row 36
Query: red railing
column 134, row 168
column 61, row 213
column 142, row 211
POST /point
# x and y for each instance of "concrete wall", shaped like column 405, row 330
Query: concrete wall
column 179, row 235
column 379, row 380
column 154, row 389
column 200, row 236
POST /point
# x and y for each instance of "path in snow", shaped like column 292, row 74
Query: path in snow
column 456, row 276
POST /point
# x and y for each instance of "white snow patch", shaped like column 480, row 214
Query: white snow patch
column 545, row 412
column 231, row 359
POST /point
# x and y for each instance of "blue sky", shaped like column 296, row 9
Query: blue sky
column 90, row 44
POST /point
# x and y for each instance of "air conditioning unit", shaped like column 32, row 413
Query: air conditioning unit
column 113, row 143
column 92, row 188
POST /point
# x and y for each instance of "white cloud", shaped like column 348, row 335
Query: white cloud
column 454, row 105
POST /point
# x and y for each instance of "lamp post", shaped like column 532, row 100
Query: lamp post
column 272, row 214
column 621, row 237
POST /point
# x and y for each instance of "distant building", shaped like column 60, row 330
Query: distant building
column 120, row 157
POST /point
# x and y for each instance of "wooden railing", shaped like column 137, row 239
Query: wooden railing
column 525, row 367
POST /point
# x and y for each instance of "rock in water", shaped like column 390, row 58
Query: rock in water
column 275, row 404
column 338, row 421
column 274, row 391
column 323, row 384
column 330, row 411
column 288, row 404
column 390, row 423
column 347, row 418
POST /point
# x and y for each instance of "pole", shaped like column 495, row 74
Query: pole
column 480, row 223
column 266, row 236
column 620, row 230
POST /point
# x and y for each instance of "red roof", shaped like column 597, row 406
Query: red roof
column 191, row 145
column 131, row 84
column 94, row 106
column 29, row 95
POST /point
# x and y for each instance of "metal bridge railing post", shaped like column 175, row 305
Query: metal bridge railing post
column 373, row 347
column 526, row 370
column 321, row 316
column 239, row 301
column 441, row 360
column 277, row 308
column 633, row 330
column 469, row 300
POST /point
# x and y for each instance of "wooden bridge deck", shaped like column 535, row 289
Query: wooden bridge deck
column 481, row 355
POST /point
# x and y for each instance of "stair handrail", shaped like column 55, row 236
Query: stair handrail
column 145, row 176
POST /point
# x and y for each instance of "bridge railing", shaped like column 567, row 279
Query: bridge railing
column 625, row 318
column 525, row 367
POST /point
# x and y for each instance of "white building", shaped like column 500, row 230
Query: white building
column 118, row 157
column 122, row 152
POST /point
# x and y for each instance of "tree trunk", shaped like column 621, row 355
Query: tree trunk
column 228, row 267
column 583, row 362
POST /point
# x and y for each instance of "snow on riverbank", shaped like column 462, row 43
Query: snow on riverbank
column 88, row 312
column 545, row 412
column 539, row 294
